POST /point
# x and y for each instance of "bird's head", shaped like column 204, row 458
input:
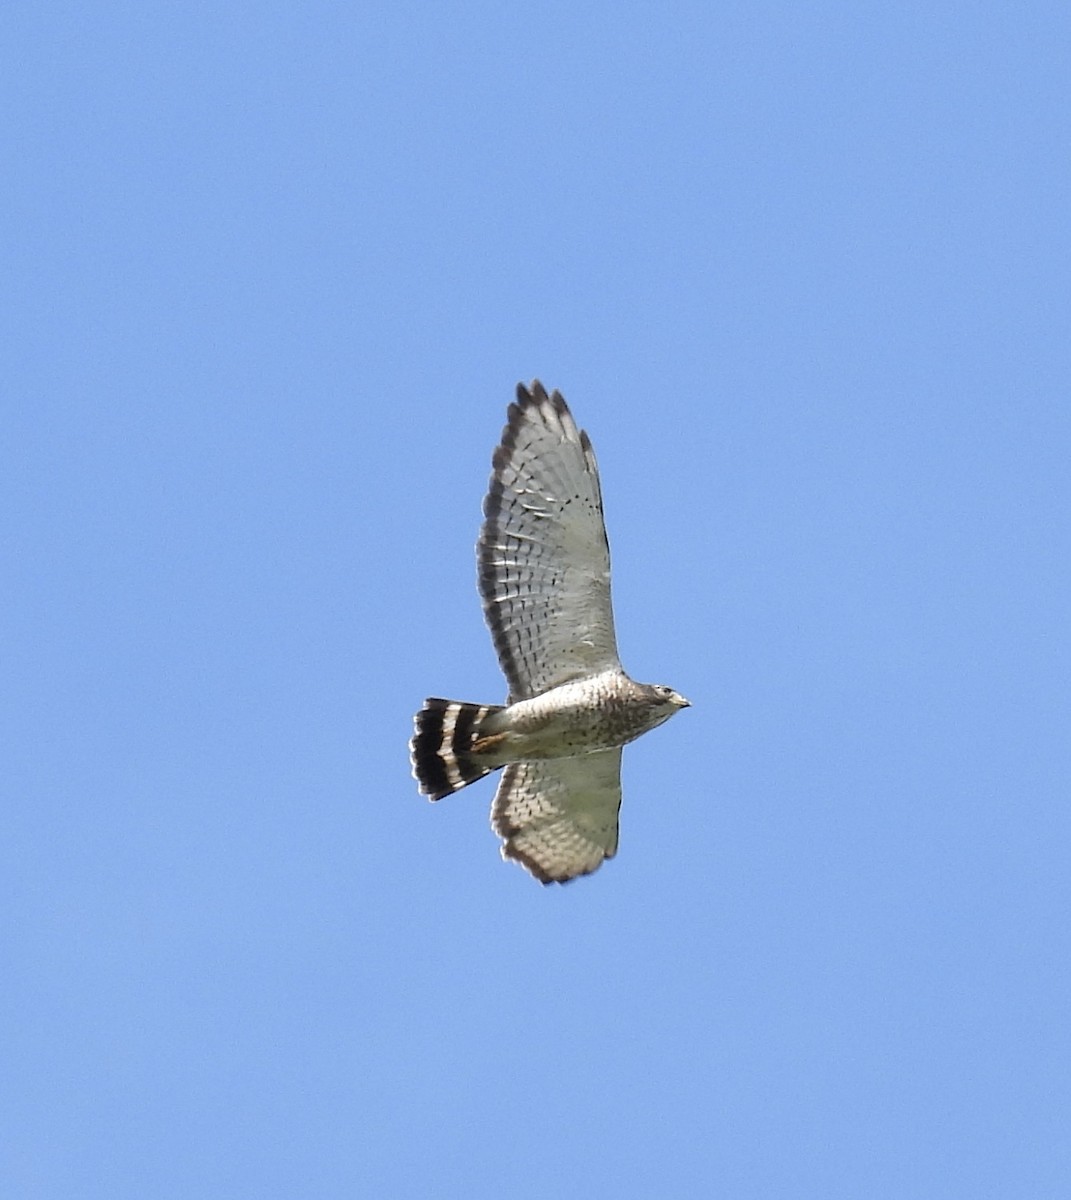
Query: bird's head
column 666, row 698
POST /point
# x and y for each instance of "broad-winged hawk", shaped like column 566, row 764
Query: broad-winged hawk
column 544, row 575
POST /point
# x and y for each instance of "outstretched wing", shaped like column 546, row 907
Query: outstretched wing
column 558, row 816
column 544, row 562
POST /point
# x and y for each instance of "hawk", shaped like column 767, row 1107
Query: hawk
column 544, row 575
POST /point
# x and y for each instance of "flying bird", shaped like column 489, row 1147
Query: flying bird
column 544, row 576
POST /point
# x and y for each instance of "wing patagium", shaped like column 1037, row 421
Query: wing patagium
column 544, row 561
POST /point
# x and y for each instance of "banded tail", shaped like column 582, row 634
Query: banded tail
column 441, row 747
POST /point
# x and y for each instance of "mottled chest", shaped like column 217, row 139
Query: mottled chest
column 587, row 715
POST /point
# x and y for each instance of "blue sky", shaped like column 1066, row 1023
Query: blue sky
column 273, row 272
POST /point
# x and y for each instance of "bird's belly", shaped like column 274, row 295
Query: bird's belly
column 576, row 718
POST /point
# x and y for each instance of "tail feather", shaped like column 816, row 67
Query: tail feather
column 441, row 746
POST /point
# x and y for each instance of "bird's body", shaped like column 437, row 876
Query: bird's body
column 593, row 714
column 544, row 574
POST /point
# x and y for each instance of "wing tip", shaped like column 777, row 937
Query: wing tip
column 534, row 396
column 513, row 853
column 532, row 393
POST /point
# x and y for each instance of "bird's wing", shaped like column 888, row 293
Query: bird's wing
column 544, row 561
column 559, row 816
